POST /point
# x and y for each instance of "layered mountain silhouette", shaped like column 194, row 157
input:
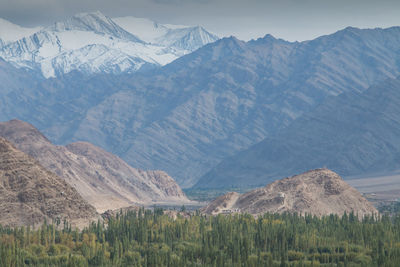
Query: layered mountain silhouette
column 230, row 95
column 317, row 192
column 104, row 180
column 188, row 116
column 352, row 134
column 30, row 194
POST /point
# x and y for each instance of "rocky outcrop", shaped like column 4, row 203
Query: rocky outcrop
column 103, row 179
column 222, row 203
column 318, row 192
column 30, row 194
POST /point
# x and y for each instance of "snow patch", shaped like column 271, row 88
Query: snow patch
column 10, row 32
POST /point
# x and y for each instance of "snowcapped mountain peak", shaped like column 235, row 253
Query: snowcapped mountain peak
column 95, row 22
column 10, row 32
column 180, row 37
column 96, row 13
column 147, row 30
column 190, row 38
column 92, row 42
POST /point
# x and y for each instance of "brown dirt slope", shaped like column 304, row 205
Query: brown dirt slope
column 29, row 193
column 319, row 192
column 103, row 179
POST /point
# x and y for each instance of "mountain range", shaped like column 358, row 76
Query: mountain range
column 188, row 116
column 94, row 43
column 206, row 106
column 352, row 134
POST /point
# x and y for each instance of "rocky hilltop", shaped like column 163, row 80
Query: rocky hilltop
column 29, row 193
column 103, row 179
column 319, row 192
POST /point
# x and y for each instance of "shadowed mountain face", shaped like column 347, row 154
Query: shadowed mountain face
column 103, row 179
column 204, row 107
column 350, row 134
column 318, row 192
column 30, row 194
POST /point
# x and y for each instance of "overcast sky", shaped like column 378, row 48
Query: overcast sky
column 245, row 19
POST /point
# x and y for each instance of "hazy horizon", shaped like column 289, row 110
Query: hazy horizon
column 290, row 20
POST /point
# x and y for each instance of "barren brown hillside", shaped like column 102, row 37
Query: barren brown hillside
column 103, row 179
column 29, row 193
column 319, row 192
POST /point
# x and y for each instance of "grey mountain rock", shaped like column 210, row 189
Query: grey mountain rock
column 352, row 134
column 229, row 95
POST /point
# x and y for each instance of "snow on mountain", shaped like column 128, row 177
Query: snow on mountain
column 92, row 59
column 93, row 43
column 94, row 22
column 176, row 36
column 187, row 38
column 145, row 29
column 61, row 52
column 10, row 32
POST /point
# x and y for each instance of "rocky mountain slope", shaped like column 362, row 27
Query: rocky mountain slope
column 29, row 193
column 188, row 116
column 104, row 180
column 94, row 43
column 352, row 134
column 318, row 192
column 229, row 95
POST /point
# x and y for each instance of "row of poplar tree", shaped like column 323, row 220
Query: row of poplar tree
column 150, row 238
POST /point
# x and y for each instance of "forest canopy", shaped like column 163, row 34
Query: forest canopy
column 151, row 238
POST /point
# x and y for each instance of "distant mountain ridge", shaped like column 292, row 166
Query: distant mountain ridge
column 352, row 134
column 94, row 43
